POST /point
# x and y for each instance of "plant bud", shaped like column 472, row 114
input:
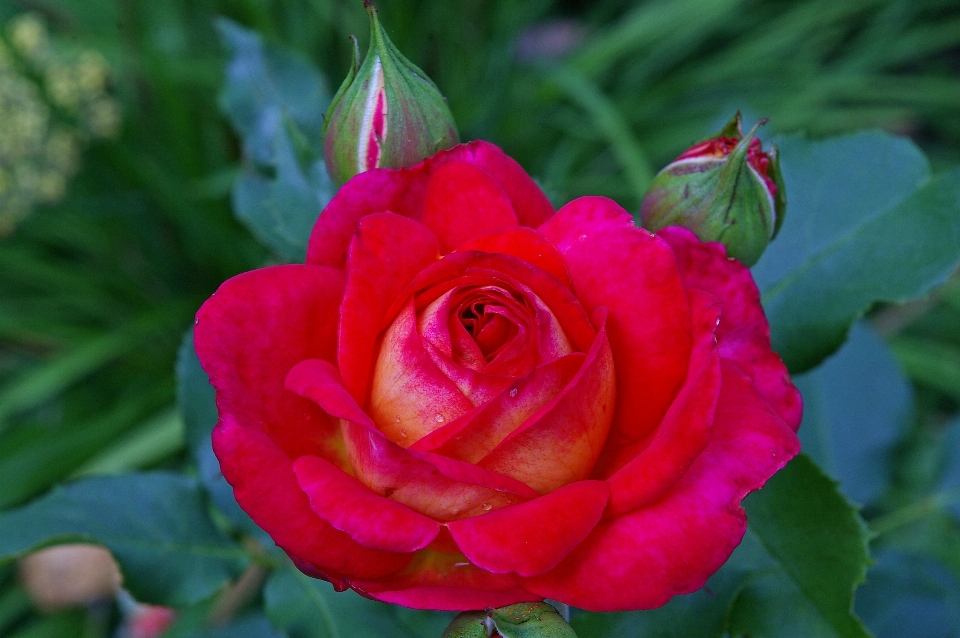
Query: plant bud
column 521, row 620
column 387, row 113
column 726, row 189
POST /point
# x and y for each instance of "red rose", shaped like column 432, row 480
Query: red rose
column 464, row 400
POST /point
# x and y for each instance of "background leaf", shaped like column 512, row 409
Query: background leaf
column 859, row 206
column 155, row 524
column 855, row 407
column 308, row 608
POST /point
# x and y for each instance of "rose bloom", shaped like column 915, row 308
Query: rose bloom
column 465, row 399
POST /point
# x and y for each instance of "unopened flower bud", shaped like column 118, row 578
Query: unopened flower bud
column 726, row 189
column 387, row 113
column 521, row 620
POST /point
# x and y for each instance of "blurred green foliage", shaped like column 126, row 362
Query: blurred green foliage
column 592, row 97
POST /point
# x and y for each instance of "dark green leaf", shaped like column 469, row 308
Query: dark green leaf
column 155, row 524
column 197, row 402
column 308, row 608
column 816, row 536
column 853, row 408
column 251, row 625
column 281, row 211
column 910, row 597
column 264, row 86
column 860, row 207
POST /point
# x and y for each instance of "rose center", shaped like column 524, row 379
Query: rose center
column 489, row 327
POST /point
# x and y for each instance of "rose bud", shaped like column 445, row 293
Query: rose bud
column 725, row 189
column 387, row 113
column 530, row 620
column 466, row 399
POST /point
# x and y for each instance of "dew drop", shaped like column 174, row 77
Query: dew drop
column 513, row 392
column 581, row 237
column 398, row 419
column 439, row 418
column 403, row 433
column 487, row 506
column 196, row 321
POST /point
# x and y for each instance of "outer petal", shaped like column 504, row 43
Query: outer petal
column 743, row 334
column 531, row 538
column 527, row 244
column 250, row 333
column 634, row 274
column 371, row 520
column 647, row 469
column 386, row 253
column 435, row 580
column 562, row 441
column 463, row 202
column 402, row 192
column 672, row 546
column 265, row 486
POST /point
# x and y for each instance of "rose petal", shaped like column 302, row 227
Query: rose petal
column 437, row 279
column 562, row 441
column 250, row 333
column 634, row 274
column 463, row 202
column 644, row 474
column 410, row 396
column 438, row 487
column 386, row 253
column 441, row 581
column 525, row 243
column 531, row 538
column 474, row 435
column 648, row 556
column 403, row 191
column 371, row 520
column 743, row 335
column 266, row 488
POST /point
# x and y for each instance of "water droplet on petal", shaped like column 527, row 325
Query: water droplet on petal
column 403, row 433
column 398, row 419
column 581, row 237
column 439, row 418
column 487, row 506
column 513, row 392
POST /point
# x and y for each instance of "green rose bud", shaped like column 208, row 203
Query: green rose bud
column 387, row 113
column 726, row 189
column 522, row 620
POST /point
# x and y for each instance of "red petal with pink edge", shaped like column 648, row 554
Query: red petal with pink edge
column 525, row 243
column 743, row 335
column 403, row 191
column 386, row 253
column 642, row 475
column 409, row 395
column 250, row 333
column 266, row 488
column 463, row 202
column 562, row 441
column 477, row 433
column 441, row 488
column 440, row 581
column 371, row 520
column 634, row 274
column 531, row 538
column 672, row 546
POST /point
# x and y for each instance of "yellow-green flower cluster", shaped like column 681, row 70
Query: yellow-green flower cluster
column 52, row 102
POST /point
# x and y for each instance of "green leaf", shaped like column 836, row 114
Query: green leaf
column 281, row 211
column 793, row 574
column 266, row 85
column 308, row 608
column 156, row 525
column 818, row 539
column 197, row 402
column 854, row 407
column 859, row 208
column 250, row 625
